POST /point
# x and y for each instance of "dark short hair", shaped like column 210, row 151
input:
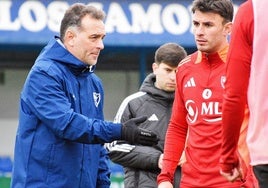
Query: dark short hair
column 222, row 7
column 74, row 15
column 170, row 54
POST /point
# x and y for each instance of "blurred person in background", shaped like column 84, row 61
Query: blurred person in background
column 142, row 164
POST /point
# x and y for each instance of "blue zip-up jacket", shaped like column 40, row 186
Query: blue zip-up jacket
column 61, row 127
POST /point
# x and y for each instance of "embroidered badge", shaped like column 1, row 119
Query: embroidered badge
column 223, row 80
column 97, row 98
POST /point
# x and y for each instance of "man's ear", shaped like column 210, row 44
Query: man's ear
column 69, row 37
column 154, row 66
column 228, row 28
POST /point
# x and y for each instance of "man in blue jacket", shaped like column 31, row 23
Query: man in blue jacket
column 59, row 141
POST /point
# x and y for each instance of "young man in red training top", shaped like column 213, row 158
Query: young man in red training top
column 198, row 99
column 247, row 74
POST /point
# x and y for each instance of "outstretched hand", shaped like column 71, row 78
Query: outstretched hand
column 135, row 135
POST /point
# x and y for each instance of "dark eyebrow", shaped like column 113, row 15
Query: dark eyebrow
column 97, row 35
column 206, row 23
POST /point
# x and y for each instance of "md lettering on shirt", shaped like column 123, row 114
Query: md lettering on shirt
column 132, row 18
column 208, row 110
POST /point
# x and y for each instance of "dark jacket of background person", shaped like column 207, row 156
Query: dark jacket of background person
column 141, row 162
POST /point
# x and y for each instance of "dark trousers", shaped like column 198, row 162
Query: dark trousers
column 261, row 173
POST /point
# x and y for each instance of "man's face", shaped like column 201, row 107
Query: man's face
column 165, row 76
column 87, row 42
column 209, row 31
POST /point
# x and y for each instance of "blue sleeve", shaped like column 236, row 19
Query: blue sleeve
column 45, row 96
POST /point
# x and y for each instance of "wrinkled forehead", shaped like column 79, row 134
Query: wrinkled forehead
column 92, row 26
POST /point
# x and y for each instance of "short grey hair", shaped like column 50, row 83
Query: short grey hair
column 74, row 15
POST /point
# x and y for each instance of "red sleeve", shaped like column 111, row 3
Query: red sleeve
column 175, row 137
column 237, row 78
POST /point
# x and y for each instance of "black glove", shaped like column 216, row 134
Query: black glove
column 135, row 135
